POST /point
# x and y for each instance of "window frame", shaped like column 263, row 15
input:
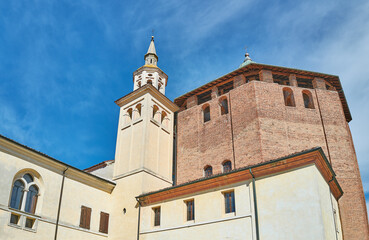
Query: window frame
column 157, row 216
column 288, row 96
column 224, row 166
column 190, row 209
column 229, row 202
column 206, row 117
column 206, row 171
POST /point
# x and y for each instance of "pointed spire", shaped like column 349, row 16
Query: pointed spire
column 151, row 47
column 150, row 57
column 247, row 60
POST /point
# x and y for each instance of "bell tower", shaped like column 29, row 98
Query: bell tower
column 150, row 73
column 145, row 131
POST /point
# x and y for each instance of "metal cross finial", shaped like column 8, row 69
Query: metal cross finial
column 152, row 33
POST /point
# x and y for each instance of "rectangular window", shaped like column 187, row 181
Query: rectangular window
column 30, row 222
column 85, row 217
column 190, row 206
column 156, row 216
column 229, row 202
column 104, row 222
column 14, row 219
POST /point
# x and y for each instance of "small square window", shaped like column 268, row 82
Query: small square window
column 229, row 202
column 156, row 216
column 29, row 223
column 190, row 210
column 14, row 219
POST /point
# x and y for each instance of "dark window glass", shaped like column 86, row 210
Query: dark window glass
column 30, row 222
column 227, row 166
column 206, row 114
column 31, row 200
column 229, row 202
column 224, row 106
column 308, row 101
column 28, row 178
column 190, row 210
column 208, row 171
column 17, row 195
column 14, row 219
column 157, row 216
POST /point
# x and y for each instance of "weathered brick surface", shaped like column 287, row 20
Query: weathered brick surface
column 264, row 129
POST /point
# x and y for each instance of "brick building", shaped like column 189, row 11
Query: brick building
column 260, row 112
column 263, row 152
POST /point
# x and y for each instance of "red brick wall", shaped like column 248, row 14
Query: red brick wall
column 264, row 129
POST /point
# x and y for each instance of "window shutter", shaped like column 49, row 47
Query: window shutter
column 83, row 217
column 88, row 217
column 104, row 222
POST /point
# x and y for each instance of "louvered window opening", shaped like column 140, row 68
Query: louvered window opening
column 204, row 97
column 225, row 88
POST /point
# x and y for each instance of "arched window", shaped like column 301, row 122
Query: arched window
column 31, row 200
column 155, row 109
column 159, row 86
column 288, row 97
column 149, row 82
column 208, row 171
column 139, row 83
column 138, row 111
column 308, row 99
column 224, row 106
column 24, row 186
column 206, row 112
column 163, row 116
column 129, row 111
column 227, row 166
column 17, row 195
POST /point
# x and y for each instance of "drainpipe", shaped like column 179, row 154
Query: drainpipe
column 230, row 115
column 255, row 206
column 174, row 168
column 333, row 210
column 329, row 157
column 139, row 216
column 59, row 207
column 324, row 132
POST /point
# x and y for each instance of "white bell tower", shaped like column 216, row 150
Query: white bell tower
column 150, row 73
column 146, row 120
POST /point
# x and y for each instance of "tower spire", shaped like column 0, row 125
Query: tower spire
column 150, row 57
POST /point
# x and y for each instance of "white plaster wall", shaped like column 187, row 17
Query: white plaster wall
column 295, row 205
column 210, row 222
column 75, row 195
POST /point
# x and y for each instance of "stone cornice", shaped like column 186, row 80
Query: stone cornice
column 147, row 88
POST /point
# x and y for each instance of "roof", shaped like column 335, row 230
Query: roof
column 62, row 164
column 250, row 67
column 98, row 166
column 313, row 156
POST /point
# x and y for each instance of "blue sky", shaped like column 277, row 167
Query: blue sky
column 63, row 63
